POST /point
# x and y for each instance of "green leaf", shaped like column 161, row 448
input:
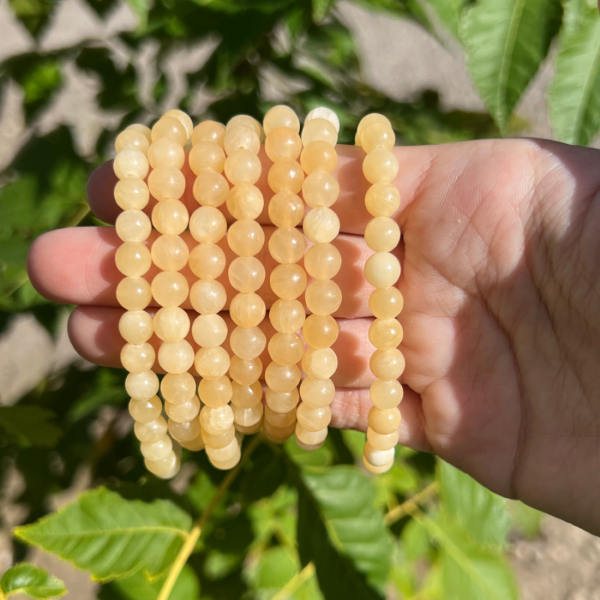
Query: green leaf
column 140, row 8
column 112, row 537
column 28, row 579
column 137, row 587
column 449, row 13
column 574, row 95
column 506, row 41
column 320, row 8
column 275, row 567
column 527, row 520
column 30, row 425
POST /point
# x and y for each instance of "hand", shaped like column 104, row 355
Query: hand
column 500, row 258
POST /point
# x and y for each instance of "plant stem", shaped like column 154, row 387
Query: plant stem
column 410, row 505
column 295, row 582
column 194, row 535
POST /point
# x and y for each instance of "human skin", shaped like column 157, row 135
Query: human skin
column 500, row 278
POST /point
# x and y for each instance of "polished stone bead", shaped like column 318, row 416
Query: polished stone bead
column 241, row 137
column 317, row 392
column 194, row 445
column 246, row 396
column 282, row 379
column 242, row 166
column 209, row 131
column 142, row 129
column 312, row 439
column 286, row 348
column 170, row 217
column 386, row 394
column 133, row 293
column 212, row 363
column 246, row 417
column 220, row 456
column 171, row 324
column 387, row 364
column 385, row 334
column 131, row 193
column 166, row 182
column 184, row 432
column 209, row 331
column 208, row 297
column 246, row 274
column 322, row 112
column 377, row 470
column 218, row 440
column 247, row 343
column 246, row 237
column 278, row 435
column 366, row 121
column 386, row 303
column 183, row 118
column 142, row 386
column 377, row 458
column 382, row 270
column 145, row 411
column 132, row 139
column 226, row 465
column 170, row 253
column 280, row 420
column 183, row 412
column 287, row 175
column 319, row 130
column 207, row 261
column 287, row 245
column 170, row 288
column 319, row 364
column 313, row 418
column 322, row 261
column 210, row 188
column 178, row 388
column 247, row 121
column 152, row 431
column 283, row 143
column 380, row 166
column 131, row 163
column 377, row 135
column 166, row 153
column 288, row 281
column 247, row 310
column 216, row 420
column 382, row 200
column 176, row 357
column 133, row 259
column 286, row 209
column 320, row 189
column 287, row 316
column 321, row 225
column 282, row 402
column 171, row 128
column 318, row 156
column 164, row 469
column 280, row 116
column 323, row 297
column 382, row 234
column 208, row 225
column 245, row 201
column 133, row 226
column 384, row 420
column 206, row 155
column 320, row 331
column 245, row 372
column 137, row 358
column 135, row 326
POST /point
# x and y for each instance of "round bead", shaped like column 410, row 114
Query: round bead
column 310, row 438
column 382, row 234
column 241, row 137
column 131, row 163
column 286, row 209
column 242, row 167
column 145, row 411
column 133, row 226
column 384, row 420
column 171, row 324
column 246, row 417
column 206, row 155
column 141, row 129
column 132, row 139
column 171, row 128
column 319, row 364
column 287, row 245
column 209, row 331
column 210, row 188
column 137, row 358
column 313, row 418
column 207, row 261
column 170, row 288
column 166, row 153
column 321, row 225
column 278, row 419
column 142, row 386
column 247, row 121
column 150, row 432
column 135, row 326
column 322, row 112
column 178, row 388
column 216, row 420
column 226, row 453
column 247, row 343
column 247, row 310
column 287, row 316
column 176, row 357
column 385, row 334
column 382, row 200
column 286, row 348
column 170, row 253
column 283, row 143
column 318, row 156
column 278, row 435
column 246, row 237
column 166, row 182
column 158, row 450
column 322, row 261
column 386, row 394
column 170, row 217
column 132, row 193
column 281, row 116
column 184, row 432
column 319, row 130
column 209, row 131
column 183, row 118
column 246, row 274
column 387, row 364
column 320, row 189
column 317, row 392
column 133, row 259
column 282, row 403
column 218, row 440
column 282, row 379
column 194, row 445
column 377, row 135
column 288, row 281
column 377, row 458
column 246, row 396
column 184, row 412
column 225, row 465
column 386, row 303
column 382, row 270
column 164, row 469
column 380, row 166
column 245, row 372
column 286, row 175
column 366, row 121
column 208, row 225
column 245, row 201
column 133, row 293
column 212, row 363
column 377, row 470
column 320, row 331
column 323, row 297
column 208, row 297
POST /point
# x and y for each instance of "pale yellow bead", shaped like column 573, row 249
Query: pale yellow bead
column 319, row 364
column 282, row 403
column 317, row 392
column 208, row 297
column 246, row 237
column 132, row 193
column 320, row 331
column 288, row 281
column 145, row 411
column 313, row 418
column 321, row 225
column 318, row 156
column 247, row 121
column 287, row 316
column 132, row 139
column 131, row 163
column 246, row 417
column 282, row 379
column 377, row 470
column 158, row 450
column 170, row 288
column 245, row 201
column 280, row 116
column 208, row 225
column 380, row 166
column 385, row 334
column 207, row 261
column 382, row 200
column 178, row 388
column 246, row 396
column 183, row 412
column 166, row 153
column 215, row 393
column 212, row 363
column 183, row 118
column 225, row 454
column 164, row 469
column 323, row 112
column 387, row 364
column 194, row 445
column 142, row 129
column 283, row 143
column 319, row 130
column 246, row 274
column 142, row 386
column 278, row 419
column 176, row 357
column 323, row 297
column 245, row 372
column 171, row 128
column 242, row 167
column 184, row 432
column 366, row 121
column 287, row 175
column 218, row 440
column 133, row 293
column 135, row 326
column 278, row 435
column 133, row 259
column 287, row 245
column 133, row 226
column 311, row 438
column 137, row 358
column 386, row 303
column 216, row 420
column 247, row 310
column 323, row 261
column 377, row 458
column 377, row 135
column 150, row 432
column 226, row 465
column 210, row 188
column 209, row 131
column 382, row 234
column 209, row 331
column 170, row 217
column 247, row 343
column 286, row 209
column 286, row 348
column 382, row 270
column 320, row 189
column 171, row 324
column 241, row 137
column 206, row 155
column 384, row 420
column 386, row 394
column 170, row 253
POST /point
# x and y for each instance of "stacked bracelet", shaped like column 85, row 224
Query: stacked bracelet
column 382, row 271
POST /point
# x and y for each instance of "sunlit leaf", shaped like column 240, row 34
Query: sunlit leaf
column 28, row 579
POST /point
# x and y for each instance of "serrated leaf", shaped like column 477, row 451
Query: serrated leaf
column 28, row 579
column 137, row 587
column 574, row 95
column 112, row 537
column 30, row 425
column 506, row 41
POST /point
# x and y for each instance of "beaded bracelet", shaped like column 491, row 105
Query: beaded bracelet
column 382, row 271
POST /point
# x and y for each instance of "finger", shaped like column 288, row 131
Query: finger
column 77, row 266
